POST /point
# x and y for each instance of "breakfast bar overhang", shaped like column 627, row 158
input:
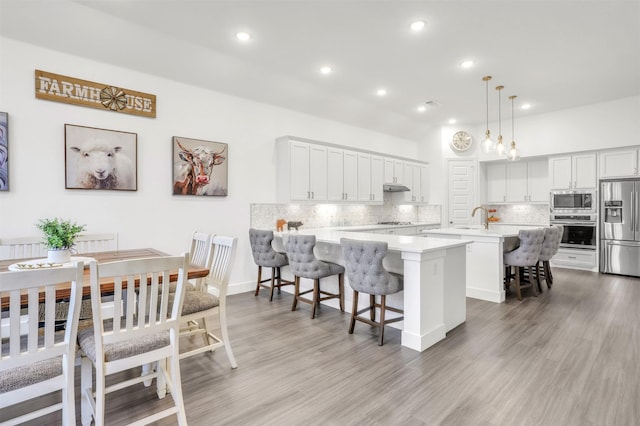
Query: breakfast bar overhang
column 434, row 297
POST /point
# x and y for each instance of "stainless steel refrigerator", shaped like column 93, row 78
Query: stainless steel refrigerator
column 620, row 227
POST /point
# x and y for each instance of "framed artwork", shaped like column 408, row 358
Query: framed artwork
column 100, row 159
column 199, row 167
column 4, row 151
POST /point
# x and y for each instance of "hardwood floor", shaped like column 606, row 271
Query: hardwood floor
column 568, row 357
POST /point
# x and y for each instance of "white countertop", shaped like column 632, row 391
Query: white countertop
column 403, row 243
column 379, row 226
column 501, row 231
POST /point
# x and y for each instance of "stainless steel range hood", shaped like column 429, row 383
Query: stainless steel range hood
column 394, row 187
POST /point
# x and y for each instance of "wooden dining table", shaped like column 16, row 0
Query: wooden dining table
column 63, row 290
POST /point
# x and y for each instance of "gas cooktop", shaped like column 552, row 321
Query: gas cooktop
column 394, row 223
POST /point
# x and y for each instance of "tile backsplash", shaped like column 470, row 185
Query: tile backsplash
column 522, row 214
column 264, row 216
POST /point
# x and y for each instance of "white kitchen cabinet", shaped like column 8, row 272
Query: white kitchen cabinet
column 424, row 183
column 377, row 178
column 518, row 182
column 496, row 183
column 342, row 177
column 538, row 181
column 308, row 171
column 573, row 171
column 316, row 171
column 619, row 163
column 393, row 171
column 370, row 177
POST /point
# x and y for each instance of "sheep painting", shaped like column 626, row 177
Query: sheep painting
column 98, row 162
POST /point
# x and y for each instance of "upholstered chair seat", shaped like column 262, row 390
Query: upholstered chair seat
column 304, row 264
column 266, row 257
column 525, row 256
column 366, row 274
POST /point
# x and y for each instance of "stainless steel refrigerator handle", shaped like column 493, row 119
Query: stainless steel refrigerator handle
column 621, row 243
column 634, row 217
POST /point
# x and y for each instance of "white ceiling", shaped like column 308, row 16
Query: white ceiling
column 552, row 54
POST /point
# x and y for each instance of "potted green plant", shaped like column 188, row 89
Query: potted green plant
column 60, row 237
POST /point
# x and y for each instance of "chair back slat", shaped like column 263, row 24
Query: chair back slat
column 146, row 314
column 223, row 255
column 200, row 254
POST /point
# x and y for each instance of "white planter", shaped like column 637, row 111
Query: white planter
column 59, row 256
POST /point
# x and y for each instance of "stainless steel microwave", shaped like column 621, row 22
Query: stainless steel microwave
column 573, row 201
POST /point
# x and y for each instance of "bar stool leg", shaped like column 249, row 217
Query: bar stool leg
column 372, row 307
column 341, row 291
column 316, row 297
column 296, row 295
column 354, row 311
column 517, row 283
column 383, row 306
column 259, row 279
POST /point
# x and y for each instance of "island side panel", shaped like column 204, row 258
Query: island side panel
column 455, row 287
column 424, row 275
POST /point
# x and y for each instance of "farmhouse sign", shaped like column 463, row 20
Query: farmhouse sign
column 60, row 88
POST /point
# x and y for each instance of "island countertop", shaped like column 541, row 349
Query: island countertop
column 402, row 243
column 501, row 231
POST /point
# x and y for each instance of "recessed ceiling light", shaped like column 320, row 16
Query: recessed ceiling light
column 525, row 106
column 381, row 92
column 242, row 36
column 467, row 64
column 421, row 108
column 326, row 70
column 417, row 26
column 452, row 121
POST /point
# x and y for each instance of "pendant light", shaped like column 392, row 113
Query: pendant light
column 487, row 145
column 513, row 154
column 501, row 149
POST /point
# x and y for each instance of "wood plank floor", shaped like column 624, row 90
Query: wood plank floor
column 568, row 357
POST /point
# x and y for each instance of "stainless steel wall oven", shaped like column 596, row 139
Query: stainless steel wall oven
column 579, row 230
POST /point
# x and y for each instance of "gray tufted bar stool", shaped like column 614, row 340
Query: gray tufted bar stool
column 265, row 256
column 525, row 256
column 366, row 274
column 549, row 244
column 560, row 232
column 303, row 264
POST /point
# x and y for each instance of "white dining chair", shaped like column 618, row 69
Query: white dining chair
column 41, row 361
column 139, row 334
column 200, row 305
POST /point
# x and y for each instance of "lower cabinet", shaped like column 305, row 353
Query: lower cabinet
column 580, row 259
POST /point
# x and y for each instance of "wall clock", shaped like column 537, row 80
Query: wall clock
column 461, row 141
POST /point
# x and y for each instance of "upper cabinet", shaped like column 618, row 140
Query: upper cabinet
column 573, row 171
column 416, row 178
column 307, row 165
column 519, row 182
column 619, row 163
column 342, row 167
column 370, row 177
column 393, row 171
column 321, row 172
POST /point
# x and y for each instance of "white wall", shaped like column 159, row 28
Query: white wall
column 151, row 216
column 592, row 127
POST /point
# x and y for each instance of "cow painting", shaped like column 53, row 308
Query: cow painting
column 199, row 167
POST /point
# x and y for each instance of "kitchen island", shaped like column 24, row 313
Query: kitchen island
column 433, row 299
column 485, row 263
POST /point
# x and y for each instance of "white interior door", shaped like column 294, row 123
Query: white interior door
column 462, row 191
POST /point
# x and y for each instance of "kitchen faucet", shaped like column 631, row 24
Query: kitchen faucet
column 486, row 217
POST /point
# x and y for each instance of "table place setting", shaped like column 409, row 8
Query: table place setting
column 43, row 263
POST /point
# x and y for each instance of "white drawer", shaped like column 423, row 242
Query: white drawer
column 575, row 258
